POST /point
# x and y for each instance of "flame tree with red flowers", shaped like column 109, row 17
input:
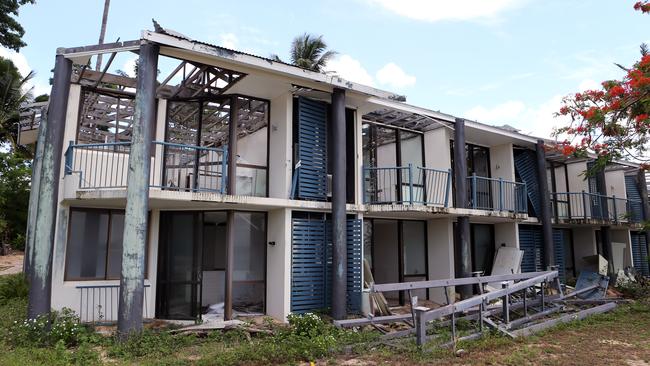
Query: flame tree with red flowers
column 613, row 122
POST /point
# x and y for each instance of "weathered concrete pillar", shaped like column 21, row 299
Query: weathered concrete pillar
column 230, row 218
column 37, row 166
column 460, row 197
column 40, row 251
column 129, row 317
column 339, row 234
column 545, row 205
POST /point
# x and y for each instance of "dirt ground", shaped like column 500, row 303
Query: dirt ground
column 12, row 263
column 618, row 338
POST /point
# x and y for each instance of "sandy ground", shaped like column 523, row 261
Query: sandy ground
column 12, row 263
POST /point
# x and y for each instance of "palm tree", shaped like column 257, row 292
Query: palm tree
column 102, row 32
column 13, row 96
column 309, row 52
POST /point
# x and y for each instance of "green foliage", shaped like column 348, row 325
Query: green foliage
column 12, row 97
column 638, row 289
column 147, row 343
column 47, row 330
column 11, row 32
column 13, row 287
column 15, row 176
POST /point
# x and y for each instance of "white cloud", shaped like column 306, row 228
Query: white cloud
column 536, row 120
column 228, row 40
column 350, row 69
column 437, row 10
column 18, row 59
column 393, row 76
column 129, row 66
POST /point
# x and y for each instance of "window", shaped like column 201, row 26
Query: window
column 94, row 249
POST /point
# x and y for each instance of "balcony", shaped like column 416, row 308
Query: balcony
column 568, row 206
column 407, row 185
column 496, row 194
column 173, row 167
column 415, row 185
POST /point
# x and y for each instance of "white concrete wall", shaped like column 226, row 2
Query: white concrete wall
column 615, row 183
column 437, row 154
column 278, row 264
column 584, row 244
column 441, row 256
column 506, row 233
column 623, row 236
column 280, row 146
column 576, row 173
column 502, row 163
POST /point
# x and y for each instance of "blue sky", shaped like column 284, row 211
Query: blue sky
column 496, row 61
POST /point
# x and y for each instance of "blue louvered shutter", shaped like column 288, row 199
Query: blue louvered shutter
column 308, row 265
column 526, row 168
column 355, row 242
column 312, row 149
column 530, row 241
column 354, row 264
column 633, row 194
column 640, row 253
column 311, row 265
column 558, row 252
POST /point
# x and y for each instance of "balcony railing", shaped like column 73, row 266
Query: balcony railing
column 173, row 166
column 99, row 303
column 407, row 185
column 592, row 206
column 496, row 194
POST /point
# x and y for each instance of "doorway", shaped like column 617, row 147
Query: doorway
column 192, row 264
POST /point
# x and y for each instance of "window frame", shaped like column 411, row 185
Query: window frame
column 110, row 212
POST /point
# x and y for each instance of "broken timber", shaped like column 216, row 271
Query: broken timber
column 513, row 297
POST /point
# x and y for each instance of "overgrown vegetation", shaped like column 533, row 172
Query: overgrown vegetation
column 307, row 337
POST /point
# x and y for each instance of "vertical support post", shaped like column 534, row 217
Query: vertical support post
column 506, row 305
column 615, row 210
column 410, row 183
column 34, row 192
column 500, row 194
column 131, row 299
column 602, row 193
column 474, row 189
column 230, row 218
column 339, row 234
column 543, row 294
column 69, row 154
column 462, row 224
column 420, row 325
column 40, row 266
column 525, row 303
column 584, row 204
column 545, row 204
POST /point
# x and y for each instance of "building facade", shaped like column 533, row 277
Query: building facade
column 246, row 160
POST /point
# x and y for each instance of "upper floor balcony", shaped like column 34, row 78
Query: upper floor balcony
column 584, row 207
column 415, row 185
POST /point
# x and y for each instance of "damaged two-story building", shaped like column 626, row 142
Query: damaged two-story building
column 251, row 186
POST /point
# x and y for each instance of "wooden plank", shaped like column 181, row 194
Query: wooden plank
column 564, row 319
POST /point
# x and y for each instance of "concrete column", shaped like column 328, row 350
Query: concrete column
column 545, row 205
column 460, row 198
column 33, row 194
column 278, row 264
column 280, row 146
column 441, row 257
column 339, row 234
column 129, row 317
column 40, row 274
